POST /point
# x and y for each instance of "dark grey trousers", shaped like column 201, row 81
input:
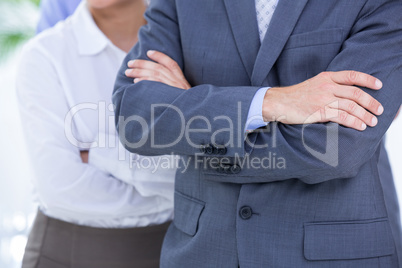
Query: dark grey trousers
column 57, row 244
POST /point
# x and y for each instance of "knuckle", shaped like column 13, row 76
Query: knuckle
column 172, row 65
column 325, row 74
column 323, row 112
column 138, row 64
column 353, row 76
column 158, row 67
column 352, row 106
column 137, row 72
column 155, row 73
column 343, row 116
column 357, row 93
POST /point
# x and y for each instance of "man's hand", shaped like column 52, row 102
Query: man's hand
column 329, row 96
column 164, row 70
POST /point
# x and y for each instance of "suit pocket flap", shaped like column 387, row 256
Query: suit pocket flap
column 187, row 211
column 347, row 240
column 321, row 37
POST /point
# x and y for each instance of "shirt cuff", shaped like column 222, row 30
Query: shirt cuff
column 254, row 118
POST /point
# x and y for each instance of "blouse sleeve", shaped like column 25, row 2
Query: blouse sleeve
column 65, row 185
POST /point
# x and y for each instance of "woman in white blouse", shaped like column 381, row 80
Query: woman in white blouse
column 98, row 205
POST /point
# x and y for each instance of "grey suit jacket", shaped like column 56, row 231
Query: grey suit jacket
column 285, row 195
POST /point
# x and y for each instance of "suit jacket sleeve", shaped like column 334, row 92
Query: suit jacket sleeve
column 146, row 110
column 313, row 153
column 321, row 152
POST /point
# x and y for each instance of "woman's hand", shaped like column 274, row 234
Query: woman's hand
column 84, row 156
column 164, row 70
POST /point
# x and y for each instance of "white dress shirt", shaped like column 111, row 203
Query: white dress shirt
column 64, row 84
column 254, row 118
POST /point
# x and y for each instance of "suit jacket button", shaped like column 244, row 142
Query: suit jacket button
column 235, row 169
column 209, row 149
column 226, row 169
column 222, row 150
column 202, row 149
column 246, row 212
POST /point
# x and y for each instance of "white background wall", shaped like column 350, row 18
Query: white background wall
column 394, row 147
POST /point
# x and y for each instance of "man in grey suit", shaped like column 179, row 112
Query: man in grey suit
column 285, row 194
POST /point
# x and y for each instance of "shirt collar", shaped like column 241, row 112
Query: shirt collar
column 90, row 38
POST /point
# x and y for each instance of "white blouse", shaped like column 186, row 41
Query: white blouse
column 64, row 84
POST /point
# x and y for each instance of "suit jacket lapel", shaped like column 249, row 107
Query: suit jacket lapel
column 243, row 21
column 282, row 24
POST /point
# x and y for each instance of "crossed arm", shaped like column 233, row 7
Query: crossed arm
column 343, row 97
column 328, row 97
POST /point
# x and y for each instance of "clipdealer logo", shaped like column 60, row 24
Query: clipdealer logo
column 231, row 129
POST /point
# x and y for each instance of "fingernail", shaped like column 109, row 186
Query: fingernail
column 150, row 52
column 136, row 80
column 374, row 121
column 380, row 109
column 364, row 126
column 378, row 83
column 127, row 72
column 130, row 63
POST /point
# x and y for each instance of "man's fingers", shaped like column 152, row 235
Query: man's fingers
column 142, row 64
column 360, row 97
column 139, row 72
column 158, row 67
column 157, row 71
column 150, row 68
column 354, row 78
column 156, row 75
column 344, row 118
column 355, row 110
column 160, row 60
column 166, row 61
